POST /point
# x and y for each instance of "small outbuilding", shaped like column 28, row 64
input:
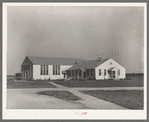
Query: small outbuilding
column 18, row 75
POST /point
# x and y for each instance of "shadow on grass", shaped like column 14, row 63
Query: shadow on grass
column 64, row 95
column 28, row 84
column 134, row 82
column 132, row 99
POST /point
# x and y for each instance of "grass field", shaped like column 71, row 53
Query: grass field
column 64, row 95
column 132, row 99
column 133, row 82
column 28, row 84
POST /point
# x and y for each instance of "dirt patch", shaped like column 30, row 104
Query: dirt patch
column 64, row 95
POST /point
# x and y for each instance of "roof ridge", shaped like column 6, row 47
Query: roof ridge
column 97, row 60
column 53, row 60
column 54, row 57
column 88, row 64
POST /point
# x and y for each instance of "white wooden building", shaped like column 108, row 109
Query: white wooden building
column 97, row 69
column 60, row 68
column 45, row 67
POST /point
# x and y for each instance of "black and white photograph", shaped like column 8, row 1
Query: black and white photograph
column 74, row 60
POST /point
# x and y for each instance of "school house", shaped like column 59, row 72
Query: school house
column 70, row 68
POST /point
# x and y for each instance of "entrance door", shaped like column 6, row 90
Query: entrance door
column 113, row 74
column 26, row 76
column 110, row 72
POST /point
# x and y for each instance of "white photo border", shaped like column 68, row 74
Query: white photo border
column 56, row 114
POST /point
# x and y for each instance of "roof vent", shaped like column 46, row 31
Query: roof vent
column 77, row 62
column 98, row 59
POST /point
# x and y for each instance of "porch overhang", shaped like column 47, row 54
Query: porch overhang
column 113, row 69
column 82, row 69
column 64, row 72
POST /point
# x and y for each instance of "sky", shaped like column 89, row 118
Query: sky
column 76, row 32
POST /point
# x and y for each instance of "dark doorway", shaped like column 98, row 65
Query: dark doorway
column 113, row 74
column 26, row 76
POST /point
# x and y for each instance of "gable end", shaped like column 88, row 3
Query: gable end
column 27, row 61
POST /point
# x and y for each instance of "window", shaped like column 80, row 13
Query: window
column 72, row 72
column 28, row 71
column 87, row 72
column 24, row 71
column 99, row 72
column 43, row 69
column 56, row 69
column 53, row 69
column 118, row 72
column 110, row 63
column 76, row 72
column 46, row 69
column 104, row 72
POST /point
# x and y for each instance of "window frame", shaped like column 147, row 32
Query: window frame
column 56, row 69
column 44, row 70
column 47, row 67
column 53, row 69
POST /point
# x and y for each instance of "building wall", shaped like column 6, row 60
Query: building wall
column 107, row 66
column 80, row 77
column 18, row 76
column 37, row 74
column 62, row 68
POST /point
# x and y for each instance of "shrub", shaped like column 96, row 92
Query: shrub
column 82, row 79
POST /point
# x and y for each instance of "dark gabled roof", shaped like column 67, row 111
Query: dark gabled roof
column 52, row 60
column 88, row 64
